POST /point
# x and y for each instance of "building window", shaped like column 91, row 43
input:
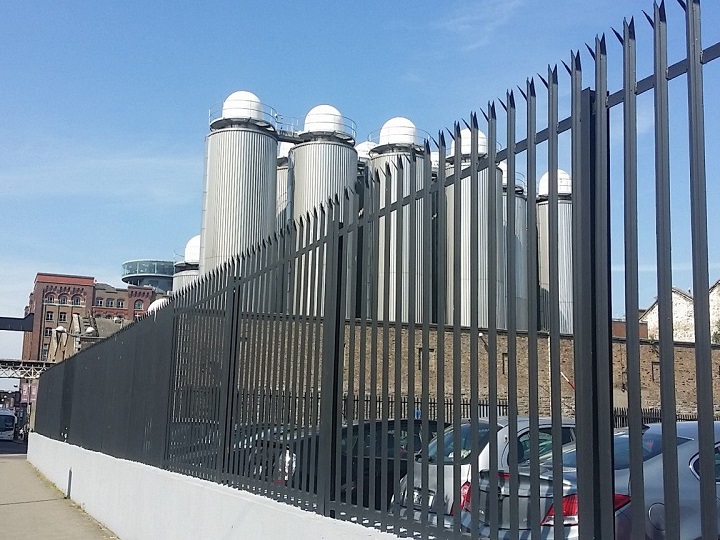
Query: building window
column 99, row 302
column 62, row 317
column 109, row 302
column 47, row 332
column 138, row 305
column 49, row 298
column 121, row 303
column 49, row 316
column 44, row 352
column 76, row 301
column 63, row 300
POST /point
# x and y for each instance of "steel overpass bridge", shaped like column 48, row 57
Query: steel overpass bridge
column 22, row 369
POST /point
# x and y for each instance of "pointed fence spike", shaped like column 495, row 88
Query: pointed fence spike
column 618, row 36
column 544, row 81
column 567, row 68
column 466, row 124
column 524, row 95
column 590, row 50
column 682, row 4
column 474, row 120
column 649, row 19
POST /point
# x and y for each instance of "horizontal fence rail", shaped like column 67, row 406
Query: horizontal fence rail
column 430, row 351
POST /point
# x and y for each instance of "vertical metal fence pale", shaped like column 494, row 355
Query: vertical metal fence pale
column 400, row 355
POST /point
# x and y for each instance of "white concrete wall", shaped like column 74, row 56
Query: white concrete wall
column 137, row 501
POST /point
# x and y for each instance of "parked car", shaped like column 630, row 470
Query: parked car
column 294, row 460
column 688, row 483
column 411, row 502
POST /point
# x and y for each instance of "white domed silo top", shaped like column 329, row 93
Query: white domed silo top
column 503, row 167
column 284, row 149
column 564, row 184
column 158, row 304
column 398, row 130
column 434, row 159
column 466, row 145
column 192, row 250
column 324, row 119
column 363, row 149
column 242, row 104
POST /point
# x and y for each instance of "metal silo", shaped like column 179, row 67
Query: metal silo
column 240, row 182
column 521, row 243
column 321, row 166
column 565, row 284
column 466, row 249
column 283, row 208
column 398, row 137
column 187, row 269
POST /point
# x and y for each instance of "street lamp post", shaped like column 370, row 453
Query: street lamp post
column 60, row 336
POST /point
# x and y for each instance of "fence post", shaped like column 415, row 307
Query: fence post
column 333, row 320
column 591, row 282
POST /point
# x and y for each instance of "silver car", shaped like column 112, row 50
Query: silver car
column 411, row 502
column 688, row 483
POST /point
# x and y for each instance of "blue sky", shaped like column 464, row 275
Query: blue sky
column 104, row 104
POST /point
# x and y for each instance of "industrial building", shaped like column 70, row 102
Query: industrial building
column 58, row 299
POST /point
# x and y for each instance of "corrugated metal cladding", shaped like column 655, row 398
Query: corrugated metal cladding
column 240, row 198
column 463, row 258
column 282, row 195
column 565, row 284
column 183, row 279
column 319, row 169
column 378, row 163
column 521, row 260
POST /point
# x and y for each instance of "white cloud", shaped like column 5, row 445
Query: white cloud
column 475, row 23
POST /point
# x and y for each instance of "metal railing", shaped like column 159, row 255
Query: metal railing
column 276, row 373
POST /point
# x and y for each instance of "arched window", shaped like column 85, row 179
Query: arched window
column 49, row 298
column 138, row 305
column 63, row 299
column 76, row 301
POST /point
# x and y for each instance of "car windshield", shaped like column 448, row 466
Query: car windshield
column 651, row 446
column 448, row 437
column 7, row 422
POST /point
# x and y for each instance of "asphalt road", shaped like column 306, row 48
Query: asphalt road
column 12, row 447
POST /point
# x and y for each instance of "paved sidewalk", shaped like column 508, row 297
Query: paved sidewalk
column 32, row 508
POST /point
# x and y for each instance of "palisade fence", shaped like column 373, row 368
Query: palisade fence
column 423, row 282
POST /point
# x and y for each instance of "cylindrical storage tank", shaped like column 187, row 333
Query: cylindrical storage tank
column 239, row 207
column 187, row 270
column 283, row 208
column 521, row 243
column 565, row 261
column 397, row 138
column 323, row 165
column 481, row 251
column 183, row 279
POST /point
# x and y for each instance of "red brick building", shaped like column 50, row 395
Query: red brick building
column 56, row 298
